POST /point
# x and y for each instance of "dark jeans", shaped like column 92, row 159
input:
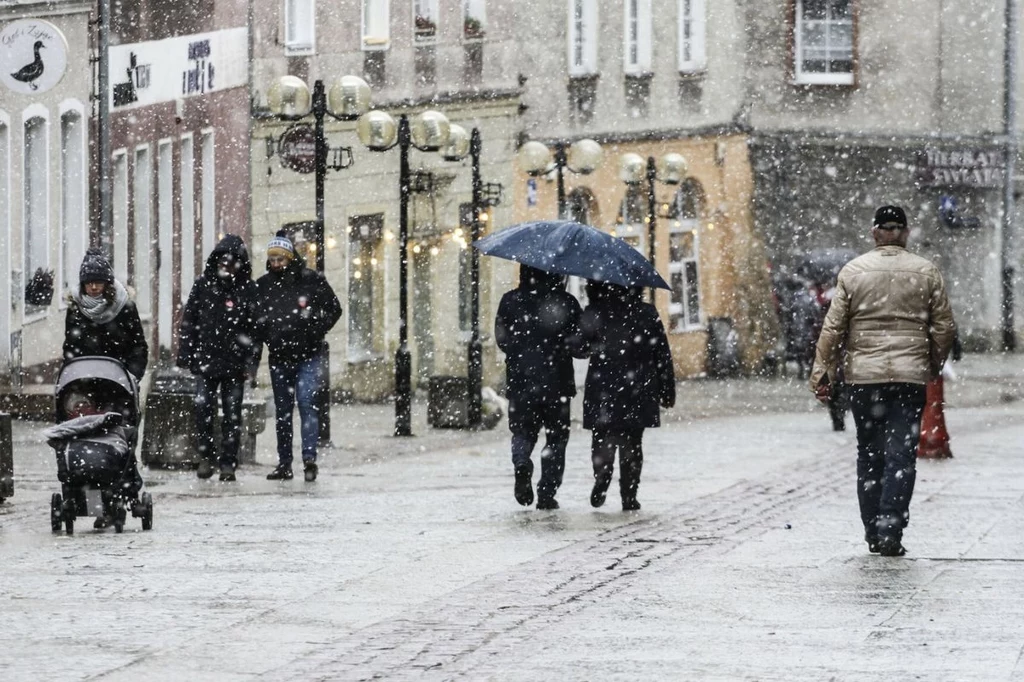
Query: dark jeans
column 231, row 389
column 553, row 417
column 300, row 381
column 629, row 444
column 888, row 419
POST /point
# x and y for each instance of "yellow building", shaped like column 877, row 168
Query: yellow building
column 706, row 243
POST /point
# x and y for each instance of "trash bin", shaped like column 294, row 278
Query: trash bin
column 723, row 348
column 447, row 402
column 6, row 457
column 168, row 436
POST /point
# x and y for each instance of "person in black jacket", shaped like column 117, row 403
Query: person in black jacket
column 537, row 327
column 630, row 376
column 103, row 320
column 215, row 343
column 296, row 308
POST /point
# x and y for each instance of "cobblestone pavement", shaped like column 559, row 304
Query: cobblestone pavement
column 410, row 560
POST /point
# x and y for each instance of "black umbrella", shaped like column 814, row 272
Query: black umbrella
column 822, row 266
column 569, row 248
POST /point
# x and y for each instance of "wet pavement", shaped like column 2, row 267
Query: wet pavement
column 409, row 559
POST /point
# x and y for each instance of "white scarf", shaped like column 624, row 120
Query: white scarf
column 100, row 309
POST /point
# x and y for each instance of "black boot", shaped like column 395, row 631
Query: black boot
column 227, row 473
column 629, row 481
column 309, row 471
column 602, row 479
column 205, row 468
column 524, row 484
column 281, row 472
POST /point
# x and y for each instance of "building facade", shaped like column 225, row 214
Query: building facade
column 446, row 55
column 45, row 137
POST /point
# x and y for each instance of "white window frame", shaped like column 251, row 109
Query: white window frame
column 376, row 25
column 814, row 77
column 299, row 27
column 682, row 308
column 29, row 212
column 582, row 37
column 187, row 213
column 476, row 9
column 142, row 204
column 208, row 208
column 74, row 195
column 692, row 37
column 119, row 175
column 636, row 32
column 429, row 10
column 165, row 241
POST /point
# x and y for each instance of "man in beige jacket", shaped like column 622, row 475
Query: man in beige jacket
column 891, row 314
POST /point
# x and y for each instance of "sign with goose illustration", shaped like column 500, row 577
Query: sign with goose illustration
column 33, row 56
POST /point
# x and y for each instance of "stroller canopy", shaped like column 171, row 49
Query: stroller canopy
column 102, row 371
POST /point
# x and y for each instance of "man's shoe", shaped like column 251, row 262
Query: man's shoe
column 599, row 492
column 546, row 503
column 101, row 522
column 205, row 469
column 227, row 473
column 524, row 484
column 630, row 504
column 891, row 548
column 309, row 471
column 281, row 473
column 872, row 541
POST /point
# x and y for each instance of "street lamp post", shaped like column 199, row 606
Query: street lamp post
column 634, row 170
column 428, row 132
column 290, row 100
column 582, row 157
column 483, row 197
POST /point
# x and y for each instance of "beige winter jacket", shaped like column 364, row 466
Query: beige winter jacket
column 891, row 312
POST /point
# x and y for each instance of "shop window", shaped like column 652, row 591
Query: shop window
column 637, row 32
column 120, row 201
column 684, row 263
column 692, row 57
column 208, row 189
column 35, row 216
column 583, row 32
column 364, row 238
column 73, row 202
column 823, row 42
column 299, row 27
column 187, row 215
column 142, row 273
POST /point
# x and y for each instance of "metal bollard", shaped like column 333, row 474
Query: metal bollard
column 6, row 457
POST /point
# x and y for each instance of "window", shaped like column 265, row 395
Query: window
column 582, row 37
column 376, row 25
column 474, row 19
column 692, row 57
column 188, row 217
column 638, row 95
column 165, row 241
column 73, row 202
column 637, row 49
column 823, row 42
column 364, row 234
column 120, row 201
column 5, row 238
column 299, row 27
column 424, row 21
column 142, row 274
column 209, row 193
column 35, row 212
column 683, row 254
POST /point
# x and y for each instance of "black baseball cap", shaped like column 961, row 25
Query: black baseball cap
column 887, row 216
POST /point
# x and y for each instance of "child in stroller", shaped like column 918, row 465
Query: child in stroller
column 94, row 440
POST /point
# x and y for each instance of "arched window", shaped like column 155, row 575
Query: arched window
column 684, row 257
column 73, row 197
column 35, row 214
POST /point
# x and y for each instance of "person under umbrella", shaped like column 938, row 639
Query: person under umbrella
column 537, row 327
column 215, row 344
column 630, row 377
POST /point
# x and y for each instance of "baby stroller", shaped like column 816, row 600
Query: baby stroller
column 97, row 406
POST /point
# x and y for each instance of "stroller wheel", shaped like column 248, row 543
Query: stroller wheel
column 147, row 511
column 56, row 509
column 120, row 514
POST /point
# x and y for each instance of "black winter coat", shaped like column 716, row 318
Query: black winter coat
column 216, row 333
column 121, row 338
column 537, row 327
column 630, row 372
column 295, row 310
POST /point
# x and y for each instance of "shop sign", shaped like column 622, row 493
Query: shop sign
column 978, row 168
column 297, row 148
column 33, row 56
